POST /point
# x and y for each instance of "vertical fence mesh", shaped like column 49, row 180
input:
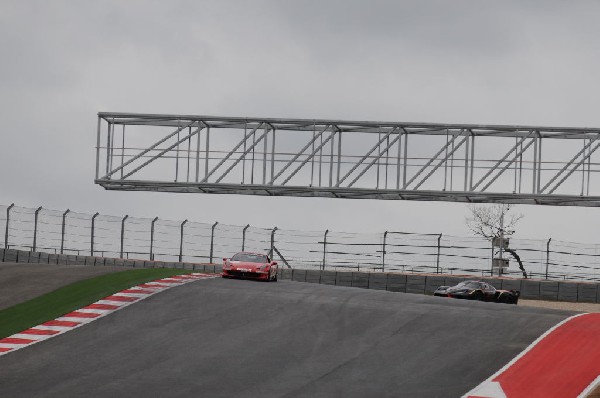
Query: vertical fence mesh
column 110, row 236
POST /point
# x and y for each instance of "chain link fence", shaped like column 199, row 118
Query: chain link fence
column 96, row 234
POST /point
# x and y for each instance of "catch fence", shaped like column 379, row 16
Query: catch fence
column 69, row 232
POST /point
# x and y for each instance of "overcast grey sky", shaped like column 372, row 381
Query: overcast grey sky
column 487, row 62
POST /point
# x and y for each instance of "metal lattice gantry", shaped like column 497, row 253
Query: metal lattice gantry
column 348, row 159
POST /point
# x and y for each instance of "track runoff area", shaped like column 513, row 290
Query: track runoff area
column 220, row 338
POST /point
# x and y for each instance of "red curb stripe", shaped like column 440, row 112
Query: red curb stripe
column 121, row 298
column 156, row 286
column 171, row 282
column 15, row 340
column 137, row 291
column 2, row 349
column 61, row 323
column 101, row 307
column 78, row 314
column 39, row 332
column 562, row 364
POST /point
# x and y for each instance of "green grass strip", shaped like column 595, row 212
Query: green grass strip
column 72, row 297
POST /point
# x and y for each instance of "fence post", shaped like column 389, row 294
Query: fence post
column 181, row 241
column 35, row 225
column 324, row 249
column 152, row 238
column 272, row 251
column 92, row 233
column 62, row 235
column 437, row 261
column 7, row 220
column 123, row 234
column 383, row 251
column 244, row 236
column 547, row 256
column 212, row 241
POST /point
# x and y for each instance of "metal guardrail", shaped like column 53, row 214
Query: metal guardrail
column 69, row 232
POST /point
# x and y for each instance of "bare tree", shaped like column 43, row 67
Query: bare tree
column 495, row 222
column 492, row 221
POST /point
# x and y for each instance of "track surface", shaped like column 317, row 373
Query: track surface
column 22, row 282
column 222, row 338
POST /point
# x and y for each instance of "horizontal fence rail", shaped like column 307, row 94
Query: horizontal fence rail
column 129, row 237
column 348, row 159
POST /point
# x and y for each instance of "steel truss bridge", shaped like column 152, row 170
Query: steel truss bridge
column 348, row 159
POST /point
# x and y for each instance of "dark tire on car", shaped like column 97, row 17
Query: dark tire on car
column 478, row 296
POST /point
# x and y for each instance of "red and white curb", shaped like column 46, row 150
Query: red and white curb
column 94, row 311
column 563, row 362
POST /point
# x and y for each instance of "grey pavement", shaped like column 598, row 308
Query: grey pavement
column 232, row 338
column 22, row 282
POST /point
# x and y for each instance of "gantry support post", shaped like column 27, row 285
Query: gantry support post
column 92, row 233
column 62, row 235
column 35, row 229
column 152, row 238
column 181, row 241
column 123, row 234
column 8, row 209
column 212, row 241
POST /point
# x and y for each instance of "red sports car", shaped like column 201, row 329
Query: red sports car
column 251, row 266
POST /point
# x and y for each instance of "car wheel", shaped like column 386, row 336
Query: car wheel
column 275, row 277
column 478, row 296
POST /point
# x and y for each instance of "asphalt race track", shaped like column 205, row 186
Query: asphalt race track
column 232, row 338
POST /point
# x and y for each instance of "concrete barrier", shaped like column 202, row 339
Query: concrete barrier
column 378, row 281
column 511, row 284
column 567, row 291
column 343, row 279
column 586, row 292
column 44, row 258
column 328, row 277
column 313, row 276
column 433, row 282
column 530, row 289
column 396, row 283
column 80, row 260
column 22, row 256
column 549, row 290
column 415, row 284
column 453, row 280
column 299, row 275
column 286, row 273
column 34, row 257
column 360, row 279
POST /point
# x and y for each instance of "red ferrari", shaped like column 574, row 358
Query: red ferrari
column 251, row 266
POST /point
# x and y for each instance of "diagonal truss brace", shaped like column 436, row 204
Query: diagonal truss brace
column 445, row 159
column 312, row 155
column 145, row 151
column 444, row 148
column 583, row 159
column 385, row 151
column 246, row 136
column 506, row 166
column 366, row 156
column 243, row 156
column 146, row 163
column 510, row 151
column 314, row 139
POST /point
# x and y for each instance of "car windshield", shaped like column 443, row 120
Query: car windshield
column 250, row 258
column 469, row 285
